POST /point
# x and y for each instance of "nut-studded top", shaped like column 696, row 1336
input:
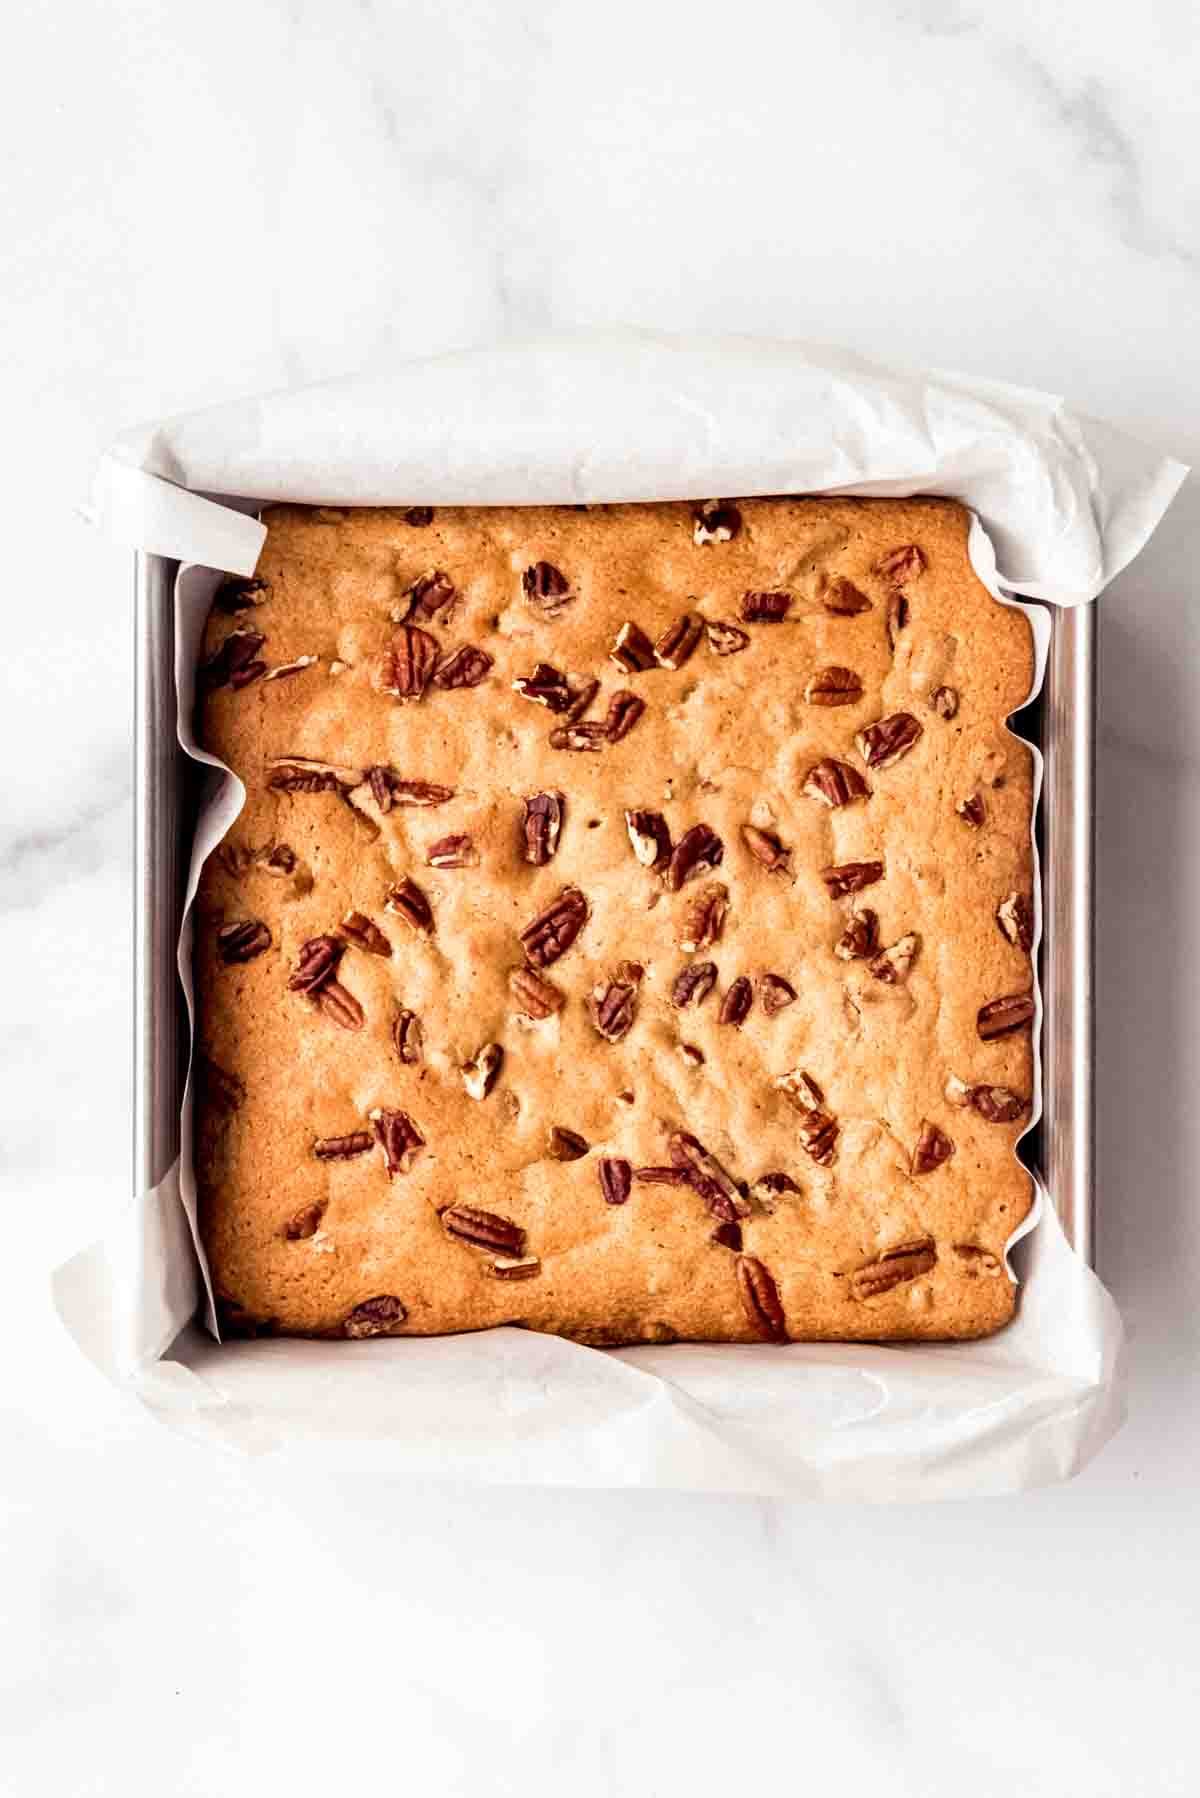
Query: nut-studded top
column 485, row 917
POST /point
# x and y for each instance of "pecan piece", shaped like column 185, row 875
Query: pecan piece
column 545, row 686
column 679, row 640
column 380, row 1316
column 901, row 565
column 616, row 1179
column 768, row 1189
column 552, row 932
column 632, row 651
column 286, row 669
column 1014, row 915
column 301, row 774
column 316, row 963
column 833, row 686
column 433, row 593
column 406, row 900
column 980, row 1263
column 738, row 1002
column 236, row 594
column 715, row 521
column 860, row 937
column 542, row 826
column 697, row 850
column 398, row 1138
column 998, row 1104
column 242, row 677
column 624, row 710
column 767, row 849
column 340, row 1006
column 466, row 666
column 232, row 657
column 892, row 965
column 364, row 933
column 1000, row 1017
column 582, row 695
column 536, row 997
column 693, row 984
column 662, row 1176
column 388, row 789
column 728, row 1236
column 408, row 1037
column 706, row 1176
column 933, row 1148
column 765, row 608
column 819, row 1130
column 584, row 738
column 457, row 851
column 897, row 616
column 419, row 516
column 306, row 1222
column 343, row 1148
column 835, row 783
column 944, row 701
column 725, row 639
column 840, row 596
column 899, row 1265
column 972, row 810
column 409, row 662
column 649, row 837
column 546, row 589
column 242, row 941
column 613, row 1003
column 850, row 877
column 704, row 918
column 760, row 1300
column 566, row 1145
column 480, row 1074
column 885, row 741
column 527, row 1267
column 775, row 993
column 689, row 1053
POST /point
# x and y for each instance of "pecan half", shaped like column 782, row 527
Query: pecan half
column 301, row 774
column 906, row 1262
column 728, row 1236
column 892, row 965
column 693, row 984
column 545, row 686
column 527, row 1267
column 885, row 741
column 584, row 738
column 704, row 919
column 725, row 639
column 552, row 932
column 738, row 1002
column 715, row 521
column 1014, row 915
column 408, row 1037
column 388, row 789
column 566, row 1145
column 480, row 1074
column 819, row 1130
column 835, row 783
column 997, row 1104
column 767, row 849
column 231, row 658
column 760, row 1300
column 775, row 993
column 901, row 565
column 840, row 596
column 542, row 826
column 406, row 900
column 409, row 662
column 624, row 710
column 380, row 1316
column 398, row 1138
column 613, row 1003
column 419, row 516
column 1000, row 1017
column 343, row 1148
column 236, row 594
column 933, row 1148
column 360, row 930
column 306, row 1222
column 316, row 963
column 536, row 997
column 616, row 1179
column 850, row 877
column 979, row 1263
column 340, row 1006
column 546, row 589
column 706, row 1176
column 649, row 837
column 433, row 593
column 457, row 851
column 242, row 941
column 697, row 850
column 679, row 640
column 466, row 666
column 860, row 937
column 632, row 651
column 944, row 701
column 833, row 686
column 972, row 810
column 765, row 608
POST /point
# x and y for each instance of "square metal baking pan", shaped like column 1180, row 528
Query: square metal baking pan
column 1062, row 721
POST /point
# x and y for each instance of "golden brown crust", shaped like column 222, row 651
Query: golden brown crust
column 854, row 1243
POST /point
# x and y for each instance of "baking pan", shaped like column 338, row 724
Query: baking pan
column 1062, row 721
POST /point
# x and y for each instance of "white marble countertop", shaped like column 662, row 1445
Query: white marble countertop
column 205, row 201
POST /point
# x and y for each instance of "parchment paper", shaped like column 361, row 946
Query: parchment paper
column 1067, row 504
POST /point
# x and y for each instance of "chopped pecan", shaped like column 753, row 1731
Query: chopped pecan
column 760, row 1300
column 697, row 850
column 885, row 741
column 624, row 710
column 542, row 827
column 545, row 686
column 223, row 1091
column 1000, row 1017
column 584, row 738
column 998, row 1104
column 901, row 565
column 1014, row 915
column 775, row 993
column 406, row 900
column 833, row 686
column 286, row 669
column 582, row 694
column 899, row 1265
column 360, row 930
column 536, row 997
column 819, row 1130
column 979, row 1263
column 616, row 1179
column 546, row 589
column 850, row 877
column 466, row 666
column 835, row 783
column 613, row 1003
column 715, row 521
column 705, row 1175
column 552, row 932
column 704, row 919
column 566, row 1145
column 725, row 639
column 957, row 1091
column 897, row 616
column 768, row 1189
column 765, row 608
column 231, row 658
column 242, row 677
column 689, row 1053
column 662, row 1176
column 860, row 937
column 433, row 593
column 892, row 965
column 650, row 837
column 527, row 1267
column 340, row 1006
column 457, row 851
column 307, row 1221
column 972, row 810
column 388, row 789
column 343, row 1148
column 300, row 774
column 728, row 1236
column 481, row 1073
column 840, row 596
column 737, row 1003
column 679, row 640
column 409, row 662
column 380, row 1316
column 317, row 962
column 242, row 941
column 419, row 516
column 933, row 1148
column 236, row 594
column 766, row 848
column 276, row 859
column 944, row 701
column 632, row 651
column 693, row 984
column 408, row 1037
column 398, row 1138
